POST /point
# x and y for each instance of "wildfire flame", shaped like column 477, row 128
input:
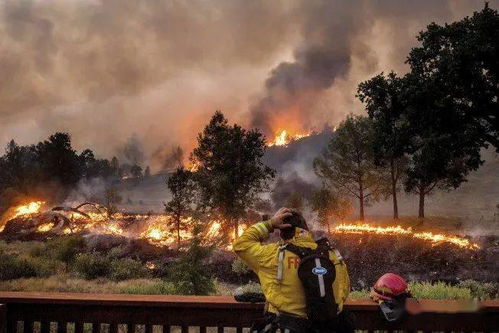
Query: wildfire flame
column 398, row 230
column 159, row 230
column 27, row 209
column 283, row 138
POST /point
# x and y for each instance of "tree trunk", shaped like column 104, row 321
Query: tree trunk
column 178, row 233
column 421, row 203
column 328, row 227
column 394, row 191
column 361, row 202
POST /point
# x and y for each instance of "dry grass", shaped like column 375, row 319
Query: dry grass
column 67, row 283
column 434, row 223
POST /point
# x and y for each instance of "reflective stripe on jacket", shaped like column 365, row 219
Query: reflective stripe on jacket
column 284, row 295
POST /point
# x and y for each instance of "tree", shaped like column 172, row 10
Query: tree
column 58, row 160
column 175, row 158
column 328, row 205
column 112, row 199
column 348, row 165
column 136, row 171
column 133, row 151
column 230, row 170
column 384, row 101
column 190, row 274
column 115, row 167
column 93, row 167
column 147, row 172
column 460, row 61
column 182, row 188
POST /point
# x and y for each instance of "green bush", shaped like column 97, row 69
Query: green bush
column 239, row 267
column 438, row 290
column 45, row 267
column 124, row 269
column 158, row 288
column 92, row 265
column 481, row 290
column 252, row 287
column 190, row 274
column 66, row 248
column 426, row 290
column 38, row 250
column 12, row 267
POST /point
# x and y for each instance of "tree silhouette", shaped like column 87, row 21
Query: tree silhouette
column 230, row 170
column 383, row 96
column 348, row 165
column 182, row 187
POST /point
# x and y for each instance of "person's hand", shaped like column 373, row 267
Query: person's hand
column 277, row 220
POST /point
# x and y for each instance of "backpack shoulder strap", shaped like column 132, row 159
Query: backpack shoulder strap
column 324, row 246
column 300, row 251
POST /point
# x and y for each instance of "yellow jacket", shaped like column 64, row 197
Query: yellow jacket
column 286, row 295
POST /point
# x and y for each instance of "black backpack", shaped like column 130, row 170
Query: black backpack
column 317, row 274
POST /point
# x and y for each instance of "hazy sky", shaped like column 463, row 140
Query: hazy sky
column 103, row 70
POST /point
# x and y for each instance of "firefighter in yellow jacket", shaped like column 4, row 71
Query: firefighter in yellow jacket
column 277, row 270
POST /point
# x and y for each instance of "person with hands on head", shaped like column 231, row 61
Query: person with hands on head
column 290, row 269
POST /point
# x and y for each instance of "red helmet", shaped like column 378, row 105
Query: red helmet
column 388, row 287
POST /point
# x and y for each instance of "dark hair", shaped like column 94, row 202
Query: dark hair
column 297, row 221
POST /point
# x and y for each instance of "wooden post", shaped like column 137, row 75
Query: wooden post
column 3, row 318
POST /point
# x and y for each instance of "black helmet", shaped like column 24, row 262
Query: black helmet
column 297, row 221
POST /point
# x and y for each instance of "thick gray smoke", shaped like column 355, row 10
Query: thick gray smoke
column 104, row 69
column 342, row 43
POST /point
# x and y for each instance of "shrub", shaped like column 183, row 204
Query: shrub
column 45, row 267
column 38, row 250
column 438, row 290
column 66, row 248
column 157, row 288
column 481, row 290
column 190, row 274
column 123, row 269
column 252, row 287
column 92, row 265
column 239, row 267
column 12, row 267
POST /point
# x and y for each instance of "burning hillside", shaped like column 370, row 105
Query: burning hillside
column 30, row 222
column 283, row 138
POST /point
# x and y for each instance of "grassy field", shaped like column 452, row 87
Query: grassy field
column 66, row 283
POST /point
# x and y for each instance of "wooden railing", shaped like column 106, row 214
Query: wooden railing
column 103, row 313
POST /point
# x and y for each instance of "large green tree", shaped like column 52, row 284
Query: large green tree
column 384, row 100
column 327, row 205
column 182, row 187
column 59, row 161
column 230, row 171
column 348, row 165
column 451, row 94
column 461, row 61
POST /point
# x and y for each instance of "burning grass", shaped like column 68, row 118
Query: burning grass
column 397, row 230
column 88, row 243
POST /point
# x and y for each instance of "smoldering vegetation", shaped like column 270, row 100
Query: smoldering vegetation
column 370, row 256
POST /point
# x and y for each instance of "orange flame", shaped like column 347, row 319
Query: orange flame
column 398, row 230
column 27, row 209
column 283, row 138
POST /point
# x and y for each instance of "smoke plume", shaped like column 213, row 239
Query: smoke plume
column 104, row 69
